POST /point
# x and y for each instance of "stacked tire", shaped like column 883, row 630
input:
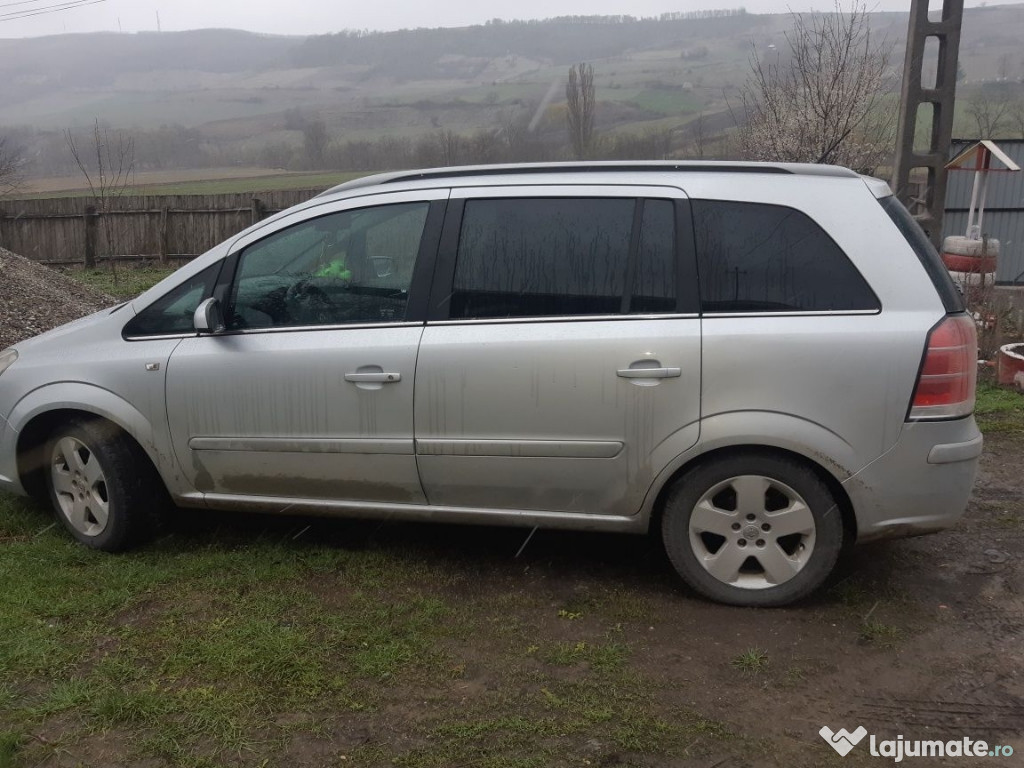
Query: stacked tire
column 972, row 263
column 1011, row 365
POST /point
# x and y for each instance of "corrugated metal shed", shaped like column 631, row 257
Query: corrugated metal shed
column 1004, row 208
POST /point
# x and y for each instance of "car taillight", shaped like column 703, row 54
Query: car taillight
column 949, row 371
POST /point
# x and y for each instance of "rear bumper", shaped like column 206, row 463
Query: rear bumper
column 921, row 485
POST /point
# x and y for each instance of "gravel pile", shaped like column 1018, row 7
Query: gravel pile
column 34, row 299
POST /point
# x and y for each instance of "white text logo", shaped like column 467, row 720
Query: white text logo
column 843, row 741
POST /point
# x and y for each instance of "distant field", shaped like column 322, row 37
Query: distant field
column 45, row 185
column 192, row 183
column 667, row 101
column 253, row 184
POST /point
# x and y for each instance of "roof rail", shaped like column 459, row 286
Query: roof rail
column 684, row 166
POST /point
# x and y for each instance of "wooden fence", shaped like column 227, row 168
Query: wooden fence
column 67, row 231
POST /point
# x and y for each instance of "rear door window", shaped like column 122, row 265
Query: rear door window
column 754, row 257
column 655, row 280
column 552, row 257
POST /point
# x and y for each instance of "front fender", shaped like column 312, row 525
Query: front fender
column 89, row 398
column 73, row 395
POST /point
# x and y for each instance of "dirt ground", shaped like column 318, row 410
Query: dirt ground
column 922, row 638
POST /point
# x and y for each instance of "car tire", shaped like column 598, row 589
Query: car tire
column 752, row 529
column 101, row 485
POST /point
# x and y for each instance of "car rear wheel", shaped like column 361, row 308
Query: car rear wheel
column 103, row 489
column 752, row 529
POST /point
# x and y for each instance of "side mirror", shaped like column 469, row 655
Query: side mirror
column 208, row 317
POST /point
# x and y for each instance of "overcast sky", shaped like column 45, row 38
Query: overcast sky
column 303, row 17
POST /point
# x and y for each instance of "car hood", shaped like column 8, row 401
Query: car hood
column 68, row 331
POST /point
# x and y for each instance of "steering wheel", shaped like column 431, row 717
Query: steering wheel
column 308, row 304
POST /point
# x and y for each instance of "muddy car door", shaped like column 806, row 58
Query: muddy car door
column 560, row 367
column 307, row 390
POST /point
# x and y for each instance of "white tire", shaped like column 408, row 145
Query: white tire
column 958, row 245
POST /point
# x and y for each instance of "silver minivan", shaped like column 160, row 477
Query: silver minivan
column 761, row 362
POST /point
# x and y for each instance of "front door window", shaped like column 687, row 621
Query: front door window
column 345, row 268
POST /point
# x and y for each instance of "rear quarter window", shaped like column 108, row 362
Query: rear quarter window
column 952, row 301
column 762, row 258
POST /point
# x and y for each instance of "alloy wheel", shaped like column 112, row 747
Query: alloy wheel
column 752, row 532
column 80, row 486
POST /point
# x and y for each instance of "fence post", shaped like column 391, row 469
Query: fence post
column 90, row 236
column 165, row 234
column 258, row 210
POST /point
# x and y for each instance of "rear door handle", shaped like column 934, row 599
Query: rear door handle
column 650, row 373
column 383, row 377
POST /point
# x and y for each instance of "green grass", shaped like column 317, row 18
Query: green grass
column 126, row 282
column 751, row 661
column 610, row 656
column 9, row 743
column 1008, row 518
column 221, row 645
column 880, row 634
column 993, row 399
column 999, row 409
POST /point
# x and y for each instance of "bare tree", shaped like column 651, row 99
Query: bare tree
column 579, row 93
column 697, row 135
column 652, row 144
column 1017, row 118
column 108, row 165
column 822, row 103
column 450, row 147
column 990, row 111
column 520, row 140
column 10, row 169
column 314, row 141
column 1003, row 67
column 515, row 135
column 485, row 146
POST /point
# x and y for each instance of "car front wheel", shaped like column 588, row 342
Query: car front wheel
column 102, row 487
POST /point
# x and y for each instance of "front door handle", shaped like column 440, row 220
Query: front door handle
column 648, row 369
column 382, row 377
column 650, row 373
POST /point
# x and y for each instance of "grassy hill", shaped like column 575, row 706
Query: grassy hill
column 230, row 98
